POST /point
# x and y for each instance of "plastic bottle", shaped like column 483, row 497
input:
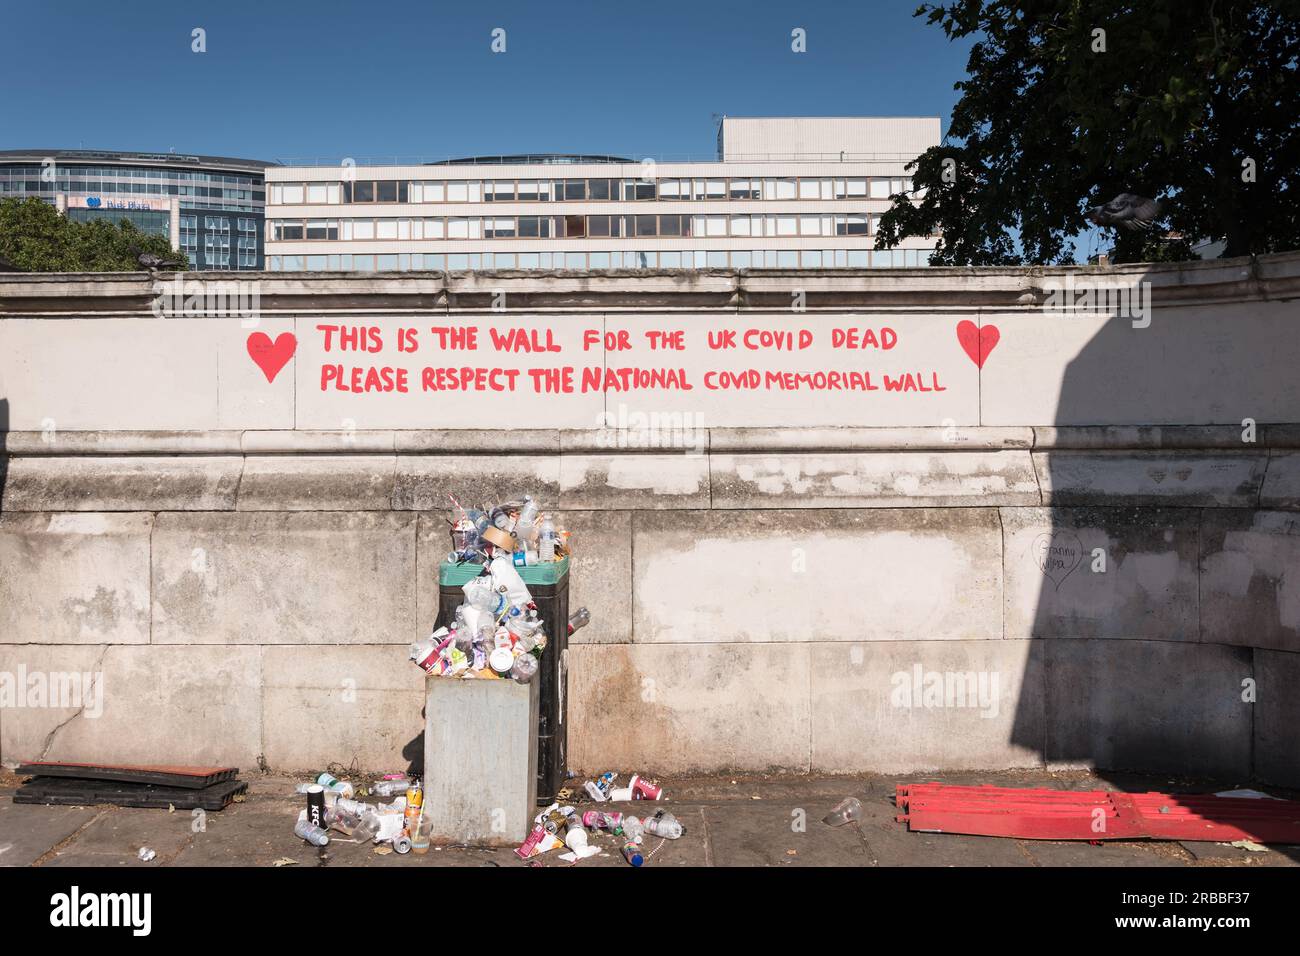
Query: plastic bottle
column 390, row 788
column 353, row 806
column 483, row 597
column 632, row 853
column 666, row 826
column 524, row 668
column 578, row 619
column 526, row 526
column 633, row 829
column 546, row 541
column 316, row 836
column 613, row 822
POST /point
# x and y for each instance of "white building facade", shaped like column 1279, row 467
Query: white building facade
column 783, row 193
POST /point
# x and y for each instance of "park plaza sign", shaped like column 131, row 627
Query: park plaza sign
column 99, row 202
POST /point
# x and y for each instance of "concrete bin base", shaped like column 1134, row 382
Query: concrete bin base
column 480, row 760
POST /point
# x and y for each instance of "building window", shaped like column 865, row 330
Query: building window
column 635, row 189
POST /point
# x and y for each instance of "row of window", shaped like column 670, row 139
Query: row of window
column 459, row 262
column 37, row 187
column 126, row 172
column 573, row 227
column 588, row 190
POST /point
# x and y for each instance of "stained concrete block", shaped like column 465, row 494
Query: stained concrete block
column 1250, row 591
column 205, row 483
column 424, row 481
column 1184, row 479
column 74, row 578
column 317, row 483
column 675, row 709
column 1148, row 588
column 600, row 574
column 137, row 704
column 874, row 480
column 912, row 706
column 1277, row 718
column 352, row 705
column 817, row 575
column 1148, row 705
column 284, row 578
column 1282, row 481
column 642, row 481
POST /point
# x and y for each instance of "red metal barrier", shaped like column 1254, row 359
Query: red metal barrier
column 1039, row 814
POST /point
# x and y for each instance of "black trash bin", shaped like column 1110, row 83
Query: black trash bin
column 549, row 586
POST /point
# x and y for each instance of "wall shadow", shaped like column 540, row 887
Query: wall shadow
column 4, row 451
column 1117, row 679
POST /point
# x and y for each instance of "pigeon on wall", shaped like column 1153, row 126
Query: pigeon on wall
column 153, row 263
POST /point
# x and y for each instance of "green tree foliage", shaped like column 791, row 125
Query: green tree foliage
column 1181, row 100
column 35, row 237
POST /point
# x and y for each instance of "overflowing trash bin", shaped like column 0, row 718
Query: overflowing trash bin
column 495, row 734
column 548, row 584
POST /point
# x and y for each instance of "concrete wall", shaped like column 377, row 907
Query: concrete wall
column 998, row 593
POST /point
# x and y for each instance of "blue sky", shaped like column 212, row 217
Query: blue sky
column 326, row 79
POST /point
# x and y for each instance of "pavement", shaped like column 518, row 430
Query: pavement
column 728, row 821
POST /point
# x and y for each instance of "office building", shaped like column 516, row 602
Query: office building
column 802, row 192
column 210, row 207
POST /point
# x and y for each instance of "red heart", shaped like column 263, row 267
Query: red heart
column 271, row 357
column 976, row 341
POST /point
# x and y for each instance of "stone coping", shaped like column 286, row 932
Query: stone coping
column 930, row 289
column 1209, row 438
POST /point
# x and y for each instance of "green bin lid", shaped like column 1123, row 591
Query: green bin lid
column 451, row 574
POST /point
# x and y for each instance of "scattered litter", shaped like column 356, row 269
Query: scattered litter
column 313, row 833
column 848, row 809
column 146, row 854
column 284, row 861
column 1250, row 845
column 332, row 808
column 665, row 825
